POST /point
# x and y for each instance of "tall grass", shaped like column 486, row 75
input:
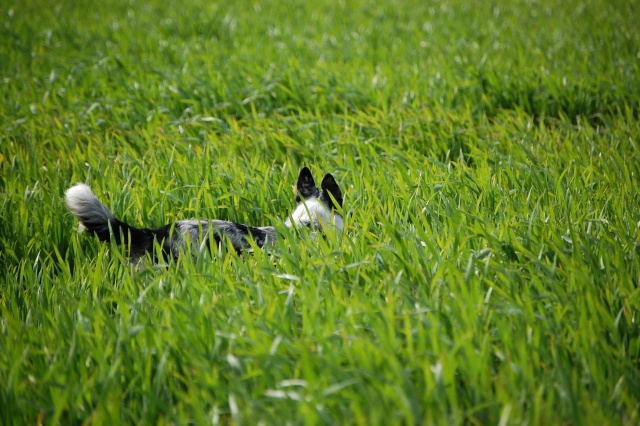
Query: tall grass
column 488, row 275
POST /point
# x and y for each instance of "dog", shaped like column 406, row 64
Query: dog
column 317, row 209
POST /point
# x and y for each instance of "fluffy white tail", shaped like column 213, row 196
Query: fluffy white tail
column 91, row 213
column 98, row 220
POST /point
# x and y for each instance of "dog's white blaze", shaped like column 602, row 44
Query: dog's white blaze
column 338, row 222
column 313, row 211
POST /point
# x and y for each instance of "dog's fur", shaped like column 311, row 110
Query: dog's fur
column 316, row 209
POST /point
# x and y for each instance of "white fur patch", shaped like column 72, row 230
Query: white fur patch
column 313, row 212
column 78, row 195
column 86, row 207
column 338, row 222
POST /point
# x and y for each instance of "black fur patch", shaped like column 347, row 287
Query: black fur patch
column 330, row 186
column 306, row 185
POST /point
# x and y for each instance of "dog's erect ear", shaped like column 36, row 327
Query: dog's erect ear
column 306, row 185
column 330, row 186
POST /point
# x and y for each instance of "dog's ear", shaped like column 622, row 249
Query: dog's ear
column 330, row 186
column 306, row 185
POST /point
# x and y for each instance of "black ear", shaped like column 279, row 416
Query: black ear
column 330, row 186
column 306, row 185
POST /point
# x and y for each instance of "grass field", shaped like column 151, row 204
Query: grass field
column 490, row 271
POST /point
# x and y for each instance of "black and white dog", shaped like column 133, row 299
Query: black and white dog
column 316, row 210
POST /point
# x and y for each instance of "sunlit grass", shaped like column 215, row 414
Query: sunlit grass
column 489, row 272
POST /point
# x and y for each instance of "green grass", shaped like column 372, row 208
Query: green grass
column 490, row 272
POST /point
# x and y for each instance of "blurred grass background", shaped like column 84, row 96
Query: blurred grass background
column 488, row 275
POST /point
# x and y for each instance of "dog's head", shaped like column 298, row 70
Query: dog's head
column 316, row 208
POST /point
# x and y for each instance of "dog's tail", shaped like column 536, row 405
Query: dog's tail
column 97, row 218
